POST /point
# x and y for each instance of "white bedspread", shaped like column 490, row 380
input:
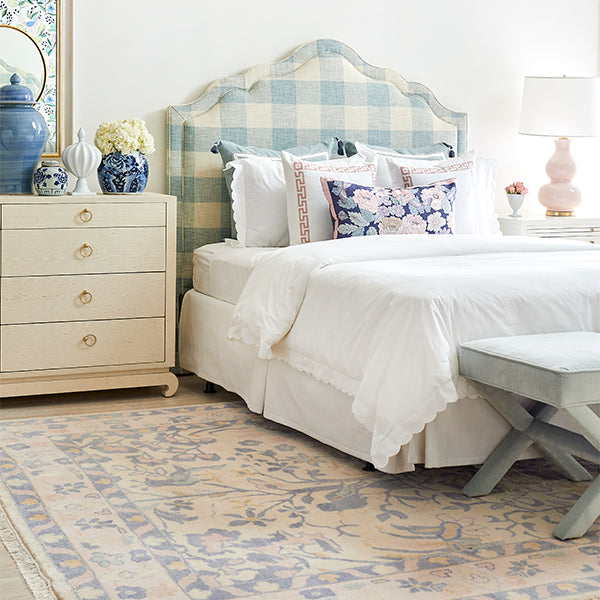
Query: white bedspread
column 380, row 318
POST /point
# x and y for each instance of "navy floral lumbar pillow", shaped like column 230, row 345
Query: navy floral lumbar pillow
column 358, row 210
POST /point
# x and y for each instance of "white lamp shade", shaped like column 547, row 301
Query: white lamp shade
column 561, row 106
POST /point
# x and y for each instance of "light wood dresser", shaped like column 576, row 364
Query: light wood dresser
column 87, row 293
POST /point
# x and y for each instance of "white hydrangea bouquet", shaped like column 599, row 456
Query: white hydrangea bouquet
column 125, row 136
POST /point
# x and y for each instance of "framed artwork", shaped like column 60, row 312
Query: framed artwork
column 30, row 46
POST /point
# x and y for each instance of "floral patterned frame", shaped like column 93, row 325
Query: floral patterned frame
column 41, row 20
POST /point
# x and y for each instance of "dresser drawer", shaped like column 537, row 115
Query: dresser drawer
column 81, row 344
column 591, row 238
column 71, row 251
column 48, row 216
column 81, row 297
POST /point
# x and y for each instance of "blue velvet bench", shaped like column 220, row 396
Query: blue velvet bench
column 558, row 372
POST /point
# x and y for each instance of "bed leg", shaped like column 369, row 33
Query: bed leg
column 369, row 467
column 209, row 388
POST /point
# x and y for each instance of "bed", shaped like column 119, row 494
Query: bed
column 353, row 341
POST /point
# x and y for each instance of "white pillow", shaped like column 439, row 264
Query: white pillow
column 308, row 213
column 399, row 171
column 258, row 201
column 486, row 217
column 369, row 151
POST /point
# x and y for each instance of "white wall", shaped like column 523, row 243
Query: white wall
column 133, row 58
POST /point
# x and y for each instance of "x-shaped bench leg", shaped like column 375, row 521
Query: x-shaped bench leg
column 554, row 442
column 587, row 509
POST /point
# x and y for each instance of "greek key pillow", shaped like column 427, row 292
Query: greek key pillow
column 307, row 207
column 406, row 172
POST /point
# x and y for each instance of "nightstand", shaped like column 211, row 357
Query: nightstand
column 87, row 293
column 586, row 229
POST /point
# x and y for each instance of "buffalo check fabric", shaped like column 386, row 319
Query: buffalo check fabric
column 323, row 89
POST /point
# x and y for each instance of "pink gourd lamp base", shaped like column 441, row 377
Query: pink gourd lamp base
column 560, row 197
column 560, row 106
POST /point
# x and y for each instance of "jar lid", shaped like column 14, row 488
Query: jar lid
column 15, row 93
column 50, row 163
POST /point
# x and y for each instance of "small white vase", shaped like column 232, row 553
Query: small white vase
column 515, row 201
column 82, row 160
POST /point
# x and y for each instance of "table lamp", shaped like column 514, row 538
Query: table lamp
column 561, row 107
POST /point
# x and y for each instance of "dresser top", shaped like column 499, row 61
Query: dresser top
column 79, row 199
column 559, row 222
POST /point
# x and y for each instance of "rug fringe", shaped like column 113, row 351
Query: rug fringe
column 37, row 583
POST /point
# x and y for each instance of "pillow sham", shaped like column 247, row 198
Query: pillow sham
column 486, row 218
column 406, row 172
column 258, row 202
column 358, row 210
column 307, row 208
column 231, row 151
column 437, row 150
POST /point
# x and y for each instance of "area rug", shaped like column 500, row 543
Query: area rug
column 211, row 502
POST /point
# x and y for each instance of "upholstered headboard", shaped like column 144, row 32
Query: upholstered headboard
column 322, row 89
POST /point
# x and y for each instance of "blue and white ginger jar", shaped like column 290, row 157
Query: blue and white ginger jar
column 50, row 179
column 23, row 135
column 123, row 173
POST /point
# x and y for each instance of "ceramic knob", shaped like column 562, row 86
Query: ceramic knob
column 81, row 159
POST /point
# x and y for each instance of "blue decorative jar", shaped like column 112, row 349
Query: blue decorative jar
column 50, row 179
column 23, row 135
column 123, row 173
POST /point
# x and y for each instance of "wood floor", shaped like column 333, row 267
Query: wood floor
column 12, row 585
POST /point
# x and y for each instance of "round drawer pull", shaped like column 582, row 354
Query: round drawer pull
column 85, row 297
column 86, row 251
column 86, row 215
column 90, row 340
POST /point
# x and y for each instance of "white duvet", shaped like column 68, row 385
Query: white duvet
column 380, row 318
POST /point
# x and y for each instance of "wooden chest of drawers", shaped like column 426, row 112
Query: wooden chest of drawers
column 87, row 293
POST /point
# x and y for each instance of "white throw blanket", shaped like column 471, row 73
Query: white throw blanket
column 381, row 318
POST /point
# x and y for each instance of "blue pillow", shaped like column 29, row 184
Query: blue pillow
column 230, row 150
column 440, row 147
column 358, row 210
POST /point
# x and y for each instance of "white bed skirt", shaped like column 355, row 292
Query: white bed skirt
column 464, row 434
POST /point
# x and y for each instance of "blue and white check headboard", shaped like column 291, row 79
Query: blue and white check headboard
column 322, row 89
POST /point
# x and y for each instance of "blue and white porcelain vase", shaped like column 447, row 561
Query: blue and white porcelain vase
column 50, row 179
column 23, row 135
column 123, row 173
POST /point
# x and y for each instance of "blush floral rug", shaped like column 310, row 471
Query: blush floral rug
column 211, row 502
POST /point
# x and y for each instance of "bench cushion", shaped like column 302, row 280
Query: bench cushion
column 560, row 369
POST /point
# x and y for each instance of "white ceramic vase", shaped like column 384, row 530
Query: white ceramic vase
column 515, row 201
column 82, row 160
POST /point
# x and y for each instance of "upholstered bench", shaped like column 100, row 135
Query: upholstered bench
column 559, row 372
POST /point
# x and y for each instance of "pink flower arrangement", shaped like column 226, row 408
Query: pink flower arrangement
column 518, row 187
